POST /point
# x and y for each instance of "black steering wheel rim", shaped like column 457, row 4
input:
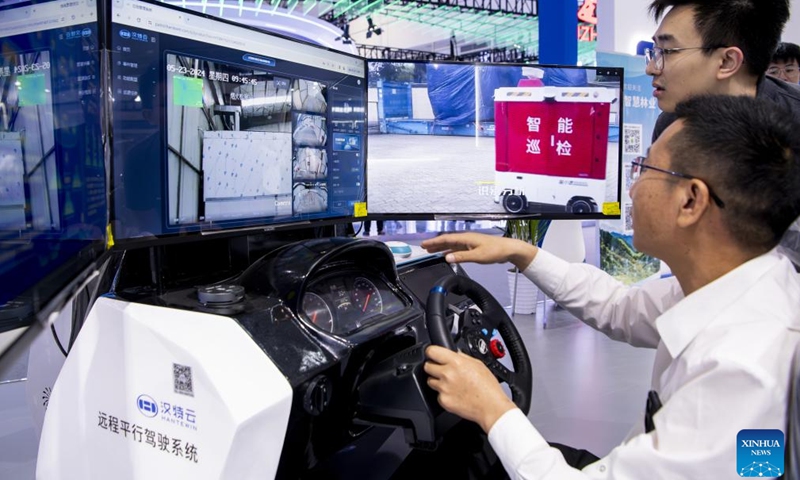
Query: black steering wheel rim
column 520, row 380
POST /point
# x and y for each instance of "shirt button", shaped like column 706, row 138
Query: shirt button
column 602, row 468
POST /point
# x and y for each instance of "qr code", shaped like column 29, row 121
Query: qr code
column 628, row 179
column 182, row 375
column 633, row 139
column 628, row 217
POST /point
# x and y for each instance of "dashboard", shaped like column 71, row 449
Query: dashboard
column 344, row 302
column 342, row 322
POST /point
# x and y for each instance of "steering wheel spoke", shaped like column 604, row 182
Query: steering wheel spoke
column 501, row 372
column 472, row 318
column 475, row 334
column 462, row 345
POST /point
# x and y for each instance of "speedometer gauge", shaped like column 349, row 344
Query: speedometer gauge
column 366, row 296
column 317, row 311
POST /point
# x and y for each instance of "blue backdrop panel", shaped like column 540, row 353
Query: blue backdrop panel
column 565, row 77
column 451, row 89
column 558, row 32
column 396, row 99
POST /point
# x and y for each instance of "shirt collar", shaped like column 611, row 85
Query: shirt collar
column 679, row 325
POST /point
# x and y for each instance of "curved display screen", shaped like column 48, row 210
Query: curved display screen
column 218, row 126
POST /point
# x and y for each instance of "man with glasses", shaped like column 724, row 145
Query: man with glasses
column 785, row 63
column 639, row 165
column 712, row 199
column 718, row 47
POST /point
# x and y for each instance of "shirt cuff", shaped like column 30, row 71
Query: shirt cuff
column 547, row 271
column 515, row 439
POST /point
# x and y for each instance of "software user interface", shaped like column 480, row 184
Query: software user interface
column 490, row 139
column 52, row 174
column 217, row 126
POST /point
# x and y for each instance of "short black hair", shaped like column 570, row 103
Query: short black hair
column 748, row 151
column 786, row 51
column 754, row 26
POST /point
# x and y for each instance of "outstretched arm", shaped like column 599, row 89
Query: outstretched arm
column 481, row 248
column 622, row 313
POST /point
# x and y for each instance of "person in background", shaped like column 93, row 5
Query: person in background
column 720, row 47
column 368, row 224
column 712, row 199
column 785, row 63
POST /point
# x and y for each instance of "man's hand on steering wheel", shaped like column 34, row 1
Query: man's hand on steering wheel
column 468, row 382
column 466, row 386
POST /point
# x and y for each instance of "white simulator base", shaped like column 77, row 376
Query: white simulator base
column 150, row 392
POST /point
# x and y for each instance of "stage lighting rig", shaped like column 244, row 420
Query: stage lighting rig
column 345, row 37
column 372, row 29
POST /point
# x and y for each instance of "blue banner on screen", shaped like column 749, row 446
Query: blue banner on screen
column 346, row 142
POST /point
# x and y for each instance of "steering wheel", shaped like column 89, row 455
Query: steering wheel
column 475, row 334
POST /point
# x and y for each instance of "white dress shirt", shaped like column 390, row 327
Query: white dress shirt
column 723, row 364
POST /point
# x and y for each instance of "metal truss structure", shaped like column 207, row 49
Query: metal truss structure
column 526, row 8
column 504, row 55
column 486, row 30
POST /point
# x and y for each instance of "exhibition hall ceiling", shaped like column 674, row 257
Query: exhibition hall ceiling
column 421, row 25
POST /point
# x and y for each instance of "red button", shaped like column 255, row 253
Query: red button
column 497, row 348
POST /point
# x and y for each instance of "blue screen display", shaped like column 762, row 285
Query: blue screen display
column 53, row 207
column 220, row 127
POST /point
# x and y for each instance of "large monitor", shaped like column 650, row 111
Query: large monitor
column 493, row 140
column 53, row 209
column 220, row 127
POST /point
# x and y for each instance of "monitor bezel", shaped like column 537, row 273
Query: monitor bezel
column 255, row 228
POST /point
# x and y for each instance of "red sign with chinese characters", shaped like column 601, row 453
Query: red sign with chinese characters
column 564, row 139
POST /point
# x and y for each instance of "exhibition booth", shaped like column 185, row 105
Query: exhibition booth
column 180, row 277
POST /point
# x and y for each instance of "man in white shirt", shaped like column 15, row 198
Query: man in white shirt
column 725, row 326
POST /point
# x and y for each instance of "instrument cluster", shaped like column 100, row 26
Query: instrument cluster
column 343, row 303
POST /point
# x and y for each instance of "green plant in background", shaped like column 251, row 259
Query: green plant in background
column 620, row 260
column 529, row 230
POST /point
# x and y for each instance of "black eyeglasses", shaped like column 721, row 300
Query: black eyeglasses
column 657, row 54
column 638, row 167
